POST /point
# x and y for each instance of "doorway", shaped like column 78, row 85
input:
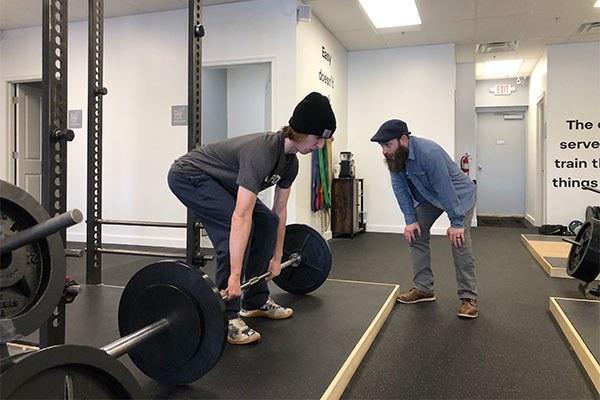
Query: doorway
column 27, row 151
column 501, row 155
column 237, row 100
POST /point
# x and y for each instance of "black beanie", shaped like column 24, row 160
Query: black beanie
column 314, row 116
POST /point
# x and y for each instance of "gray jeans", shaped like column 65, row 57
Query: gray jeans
column 464, row 263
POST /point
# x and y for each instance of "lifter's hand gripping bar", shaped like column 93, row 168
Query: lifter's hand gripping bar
column 294, row 260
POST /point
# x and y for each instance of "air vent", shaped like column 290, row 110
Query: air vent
column 496, row 47
column 589, row 27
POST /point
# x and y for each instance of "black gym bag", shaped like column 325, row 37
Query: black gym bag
column 559, row 230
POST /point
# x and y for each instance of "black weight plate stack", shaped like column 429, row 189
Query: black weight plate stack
column 197, row 332
column 66, row 372
column 315, row 265
column 32, row 278
column 584, row 259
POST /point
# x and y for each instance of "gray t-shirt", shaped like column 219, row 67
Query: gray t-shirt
column 254, row 162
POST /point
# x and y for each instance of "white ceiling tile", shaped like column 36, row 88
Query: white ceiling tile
column 528, row 65
column 548, row 24
column 554, row 5
column 505, row 55
column 525, row 48
column 499, row 29
column 445, row 10
column 588, row 37
column 407, row 38
column 503, row 8
column 360, row 40
column 591, row 15
column 459, row 32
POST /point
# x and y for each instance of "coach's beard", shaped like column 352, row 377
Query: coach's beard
column 396, row 161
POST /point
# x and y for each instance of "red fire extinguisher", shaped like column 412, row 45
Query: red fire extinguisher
column 464, row 163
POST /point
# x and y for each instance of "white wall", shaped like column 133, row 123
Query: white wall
column 466, row 118
column 535, row 194
column 573, row 94
column 415, row 84
column 312, row 38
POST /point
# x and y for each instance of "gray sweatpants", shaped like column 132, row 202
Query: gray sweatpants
column 464, row 263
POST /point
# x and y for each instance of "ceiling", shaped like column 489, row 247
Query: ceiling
column 466, row 23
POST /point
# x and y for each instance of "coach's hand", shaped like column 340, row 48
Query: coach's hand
column 456, row 236
column 412, row 232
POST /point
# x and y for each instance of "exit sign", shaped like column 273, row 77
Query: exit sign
column 503, row 89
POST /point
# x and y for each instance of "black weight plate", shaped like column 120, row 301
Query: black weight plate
column 589, row 213
column 32, row 278
column 197, row 332
column 584, row 259
column 87, row 372
column 316, row 260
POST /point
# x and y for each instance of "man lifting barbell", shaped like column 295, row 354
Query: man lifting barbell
column 219, row 183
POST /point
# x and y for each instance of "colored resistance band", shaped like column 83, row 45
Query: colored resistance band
column 320, row 193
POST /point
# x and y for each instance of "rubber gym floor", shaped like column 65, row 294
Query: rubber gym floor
column 514, row 350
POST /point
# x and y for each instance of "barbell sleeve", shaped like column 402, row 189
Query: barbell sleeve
column 126, row 343
column 41, row 230
column 573, row 242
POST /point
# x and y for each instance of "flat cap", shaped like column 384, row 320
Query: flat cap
column 392, row 129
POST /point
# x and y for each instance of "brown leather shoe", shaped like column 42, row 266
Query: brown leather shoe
column 468, row 309
column 415, row 295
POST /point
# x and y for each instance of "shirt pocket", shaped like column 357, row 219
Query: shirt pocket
column 420, row 180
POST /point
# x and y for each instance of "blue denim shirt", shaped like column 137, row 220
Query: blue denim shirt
column 437, row 178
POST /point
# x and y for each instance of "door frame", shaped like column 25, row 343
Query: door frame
column 541, row 145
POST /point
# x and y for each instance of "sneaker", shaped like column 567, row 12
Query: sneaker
column 240, row 333
column 468, row 308
column 270, row 310
column 415, row 295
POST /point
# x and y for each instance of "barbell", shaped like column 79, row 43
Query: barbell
column 171, row 316
column 173, row 322
column 173, row 319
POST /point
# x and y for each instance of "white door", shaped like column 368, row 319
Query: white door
column 29, row 139
column 501, row 150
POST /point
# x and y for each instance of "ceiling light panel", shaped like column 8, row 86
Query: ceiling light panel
column 502, row 67
column 391, row 13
